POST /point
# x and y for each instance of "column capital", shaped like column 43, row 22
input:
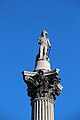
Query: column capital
column 43, row 84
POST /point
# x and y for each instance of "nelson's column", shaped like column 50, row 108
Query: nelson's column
column 43, row 84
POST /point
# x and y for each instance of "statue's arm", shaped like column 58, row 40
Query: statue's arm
column 49, row 43
column 39, row 40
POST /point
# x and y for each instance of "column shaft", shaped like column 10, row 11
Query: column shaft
column 42, row 109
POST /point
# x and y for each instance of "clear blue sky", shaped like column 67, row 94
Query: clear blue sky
column 21, row 23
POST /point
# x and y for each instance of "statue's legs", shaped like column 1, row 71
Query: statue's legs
column 45, row 51
column 41, row 51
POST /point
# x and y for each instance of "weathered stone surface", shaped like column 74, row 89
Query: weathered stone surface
column 43, row 65
column 42, row 85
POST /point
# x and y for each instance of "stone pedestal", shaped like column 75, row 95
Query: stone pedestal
column 43, row 65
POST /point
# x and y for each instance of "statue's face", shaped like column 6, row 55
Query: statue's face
column 44, row 33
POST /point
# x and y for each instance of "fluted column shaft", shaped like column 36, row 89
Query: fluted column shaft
column 42, row 109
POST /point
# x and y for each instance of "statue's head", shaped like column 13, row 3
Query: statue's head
column 44, row 33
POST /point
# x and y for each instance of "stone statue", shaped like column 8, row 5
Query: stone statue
column 44, row 44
